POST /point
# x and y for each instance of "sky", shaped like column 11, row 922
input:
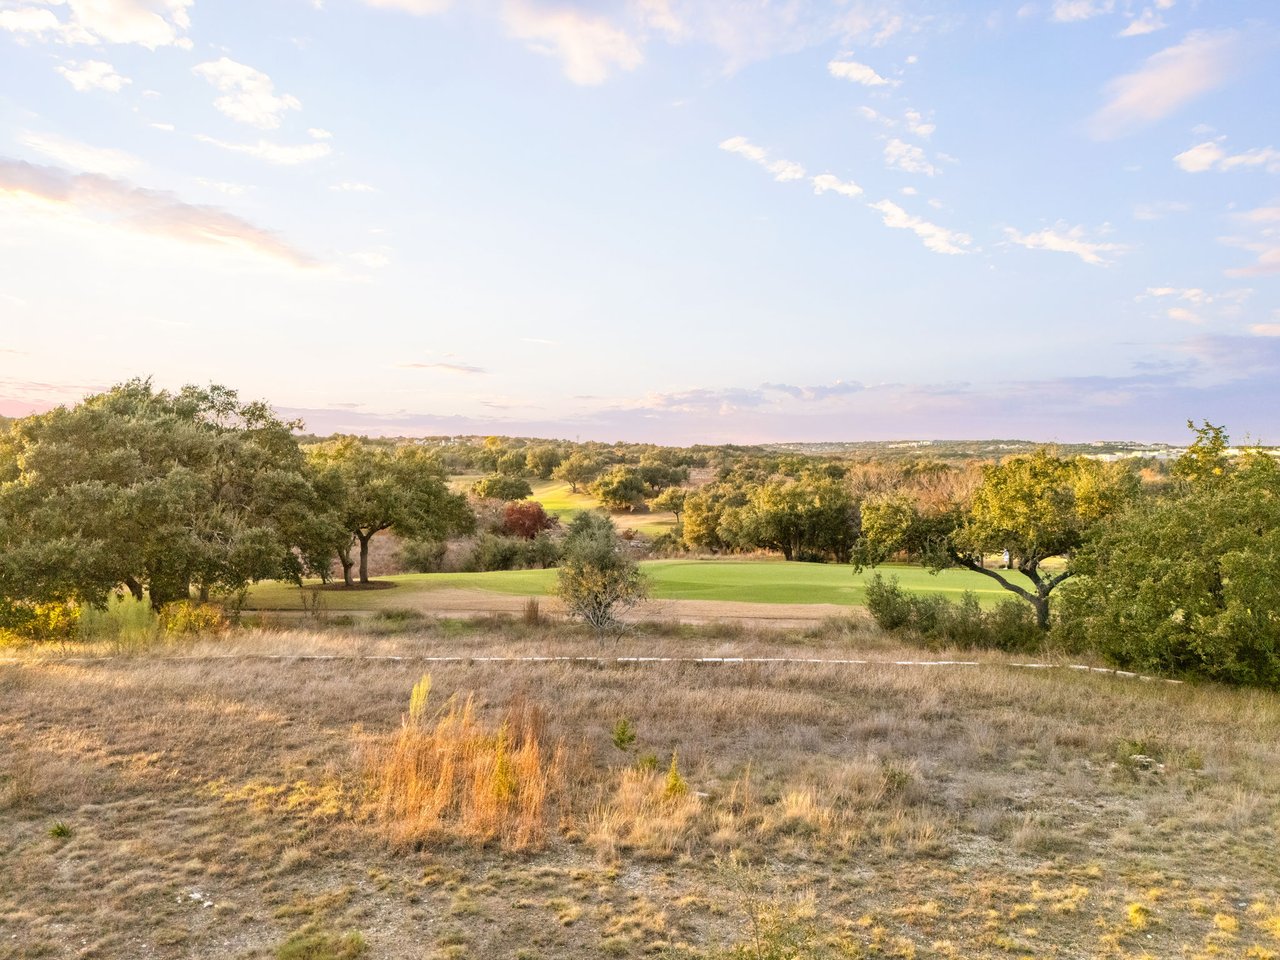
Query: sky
column 673, row 221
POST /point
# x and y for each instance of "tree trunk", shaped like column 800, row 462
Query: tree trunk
column 364, row 556
column 1041, row 606
column 135, row 588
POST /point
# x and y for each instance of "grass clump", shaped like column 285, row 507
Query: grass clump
column 311, row 943
column 449, row 773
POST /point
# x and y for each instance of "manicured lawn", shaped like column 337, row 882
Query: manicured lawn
column 759, row 581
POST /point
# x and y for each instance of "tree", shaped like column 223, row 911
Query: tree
column 670, row 500
column 620, row 488
column 525, row 518
column 577, row 470
column 373, row 488
column 542, row 460
column 1036, row 507
column 598, row 580
column 500, row 486
column 157, row 492
column 1189, row 584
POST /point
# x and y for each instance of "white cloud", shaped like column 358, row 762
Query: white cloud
column 350, row 186
column 588, row 47
column 782, row 170
column 93, row 75
column 1190, row 294
column 936, row 238
column 1062, row 239
column 81, row 156
column 31, row 21
column 319, row 133
column 117, row 205
column 659, row 15
column 148, row 23
column 1265, row 329
column 1148, row 22
column 1183, row 315
column 1265, row 243
column 1071, row 11
column 858, row 73
column 1167, row 81
column 1211, row 155
column 373, row 259
column 250, row 94
column 908, row 157
column 166, row 127
column 917, row 125
column 826, row 181
column 281, row 154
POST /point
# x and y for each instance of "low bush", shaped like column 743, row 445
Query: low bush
column 1009, row 626
column 186, row 617
column 22, row 623
column 423, row 556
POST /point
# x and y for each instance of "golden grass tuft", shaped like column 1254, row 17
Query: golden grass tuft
column 448, row 774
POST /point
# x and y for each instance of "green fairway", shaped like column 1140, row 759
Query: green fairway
column 557, row 499
column 755, row 581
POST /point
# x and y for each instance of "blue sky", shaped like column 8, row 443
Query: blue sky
column 667, row 220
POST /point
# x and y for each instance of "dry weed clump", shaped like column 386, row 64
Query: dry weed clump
column 446, row 773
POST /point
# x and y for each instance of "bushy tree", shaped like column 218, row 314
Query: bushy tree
column 157, row 491
column 500, row 486
column 577, row 470
column 1189, row 584
column 1034, row 507
column 670, row 500
column 542, row 460
column 620, row 488
column 526, row 518
column 375, row 488
column 598, row 580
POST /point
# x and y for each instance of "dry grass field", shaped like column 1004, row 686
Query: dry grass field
column 206, row 800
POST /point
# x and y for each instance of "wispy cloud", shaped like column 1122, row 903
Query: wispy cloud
column 286, row 155
column 93, row 75
column 464, row 368
column 936, row 238
column 782, row 170
column 419, row 7
column 1159, row 209
column 1265, row 242
column 1211, row 155
column 826, row 181
column 858, row 73
column 352, row 186
column 1149, row 21
column 1073, row 11
column 249, row 95
column 908, row 157
column 82, row 156
column 1167, row 81
column 116, row 204
column 1063, row 239
column 588, row 46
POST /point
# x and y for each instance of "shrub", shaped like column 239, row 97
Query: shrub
column 423, row 556
column 22, row 622
column 598, row 580
column 525, row 519
column 493, row 552
column 889, row 604
column 1010, row 626
column 185, row 617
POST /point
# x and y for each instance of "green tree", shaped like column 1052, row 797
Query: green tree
column 501, row 486
column 620, row 488
column 670, row 500
column 542, row 460
column 1035, row 507
column 1189, row 584
column 598, row 580
column 577, row 470
column 155, row 491
column 373, row 488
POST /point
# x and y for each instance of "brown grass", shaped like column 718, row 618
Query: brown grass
column 217, row 808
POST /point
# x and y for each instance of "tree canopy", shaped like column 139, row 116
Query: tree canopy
column 154, row 490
